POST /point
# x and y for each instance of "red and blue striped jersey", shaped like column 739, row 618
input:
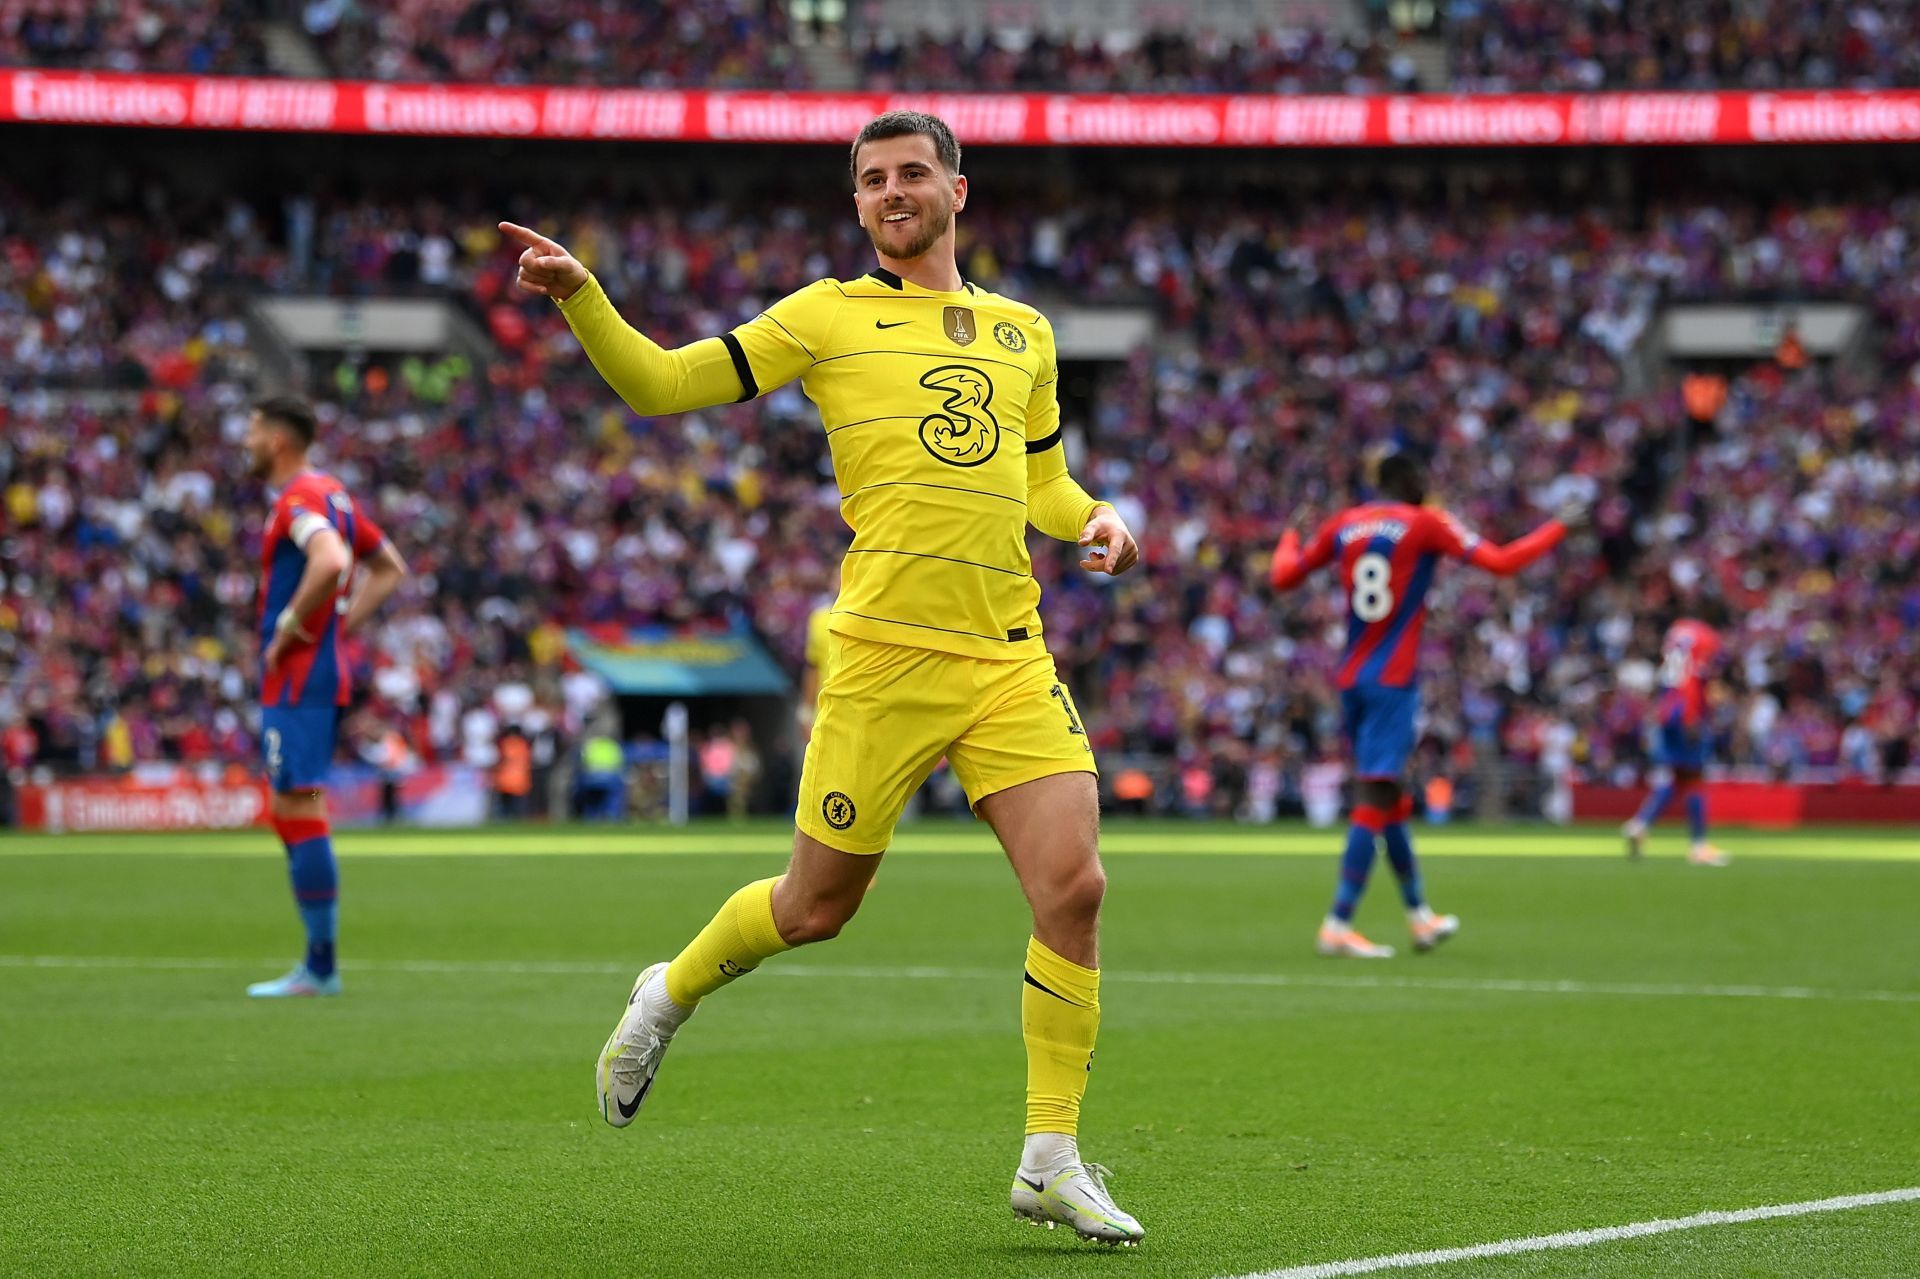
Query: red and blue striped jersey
column 311, row 674
column 1388, row 552
column 1687, row 655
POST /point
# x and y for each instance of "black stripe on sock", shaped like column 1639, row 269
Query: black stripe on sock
column 1037, row 986
column 748, row 387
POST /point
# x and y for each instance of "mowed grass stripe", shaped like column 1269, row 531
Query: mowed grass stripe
column 1119, row 838
column 1331, row 981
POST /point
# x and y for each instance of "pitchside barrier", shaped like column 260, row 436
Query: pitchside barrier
column 169, row 797
column 1768, row 803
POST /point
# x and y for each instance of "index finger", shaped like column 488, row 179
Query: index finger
column 529, row 237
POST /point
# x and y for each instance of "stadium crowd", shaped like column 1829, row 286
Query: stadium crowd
column 1508, row 45
column 651, row 44
column 1491, row 46
column 528, row 499
column 190, row 36
column 1288, row 60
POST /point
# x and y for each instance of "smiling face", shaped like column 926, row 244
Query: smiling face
column 905, row 198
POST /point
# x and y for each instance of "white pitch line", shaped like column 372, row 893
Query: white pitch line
column 1520, row 985
column 1331, row 981
column 452, row 966
column 1584, row 1238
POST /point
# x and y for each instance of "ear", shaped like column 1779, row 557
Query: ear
column 959, row 192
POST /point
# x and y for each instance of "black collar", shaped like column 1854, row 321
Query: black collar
column 893, row 281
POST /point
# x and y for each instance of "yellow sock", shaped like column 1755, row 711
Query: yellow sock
column 731, row 946
column 1059, row 1018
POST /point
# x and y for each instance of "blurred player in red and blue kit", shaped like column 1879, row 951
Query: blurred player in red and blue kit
column 1388, row 550
column 1688, row 655
column 312, row 541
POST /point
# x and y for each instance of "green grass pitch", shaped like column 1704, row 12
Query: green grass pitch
column 1606, row 1043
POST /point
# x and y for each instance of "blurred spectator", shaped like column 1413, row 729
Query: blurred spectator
column 601, row 785
column 513, row 776
column 716, row 757
column 743, row 776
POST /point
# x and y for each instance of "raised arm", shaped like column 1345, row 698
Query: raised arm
column 651, row 379
column 1505, row 561
column 1291, row 565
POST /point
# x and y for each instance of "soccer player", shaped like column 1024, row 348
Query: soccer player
column 1388, row 550
column 1687, row 657
column 939, row 403
column 312, row 540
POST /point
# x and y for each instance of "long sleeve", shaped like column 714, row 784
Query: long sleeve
column 1505, row 561
column 651, row 379
column 1056, row 504
column 1291, row 565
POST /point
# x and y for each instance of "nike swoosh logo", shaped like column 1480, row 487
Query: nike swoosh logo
column 1038, row 1187
column 882, row 324
column 628, row 1109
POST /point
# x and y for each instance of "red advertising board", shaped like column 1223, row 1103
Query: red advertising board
column 1041, row 119
column 166, row 797
column 1767, row 803
column 117, row 804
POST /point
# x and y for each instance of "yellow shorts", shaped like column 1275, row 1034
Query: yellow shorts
column 887, row 714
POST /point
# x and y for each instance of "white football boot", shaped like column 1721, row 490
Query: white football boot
column 633, row 1053
column 1075, row 1197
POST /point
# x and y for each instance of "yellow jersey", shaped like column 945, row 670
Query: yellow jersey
column 817, row 623
column 942, row 420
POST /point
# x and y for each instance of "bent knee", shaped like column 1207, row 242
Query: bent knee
column 818, row 919
column 1077, row 895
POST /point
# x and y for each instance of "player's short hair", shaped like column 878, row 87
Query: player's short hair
column 1713, row 610
column 1400, row 476
column 905, row 124
column 291, row 412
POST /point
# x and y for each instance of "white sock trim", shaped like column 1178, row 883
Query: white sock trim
column 1048, row 1154
column 662, row 1005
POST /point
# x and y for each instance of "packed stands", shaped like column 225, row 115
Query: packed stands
column 1509, row 45
column 221, row 38
column 527, row 498
column 655, row 44
column 1473, row 46
column 1293, row 60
